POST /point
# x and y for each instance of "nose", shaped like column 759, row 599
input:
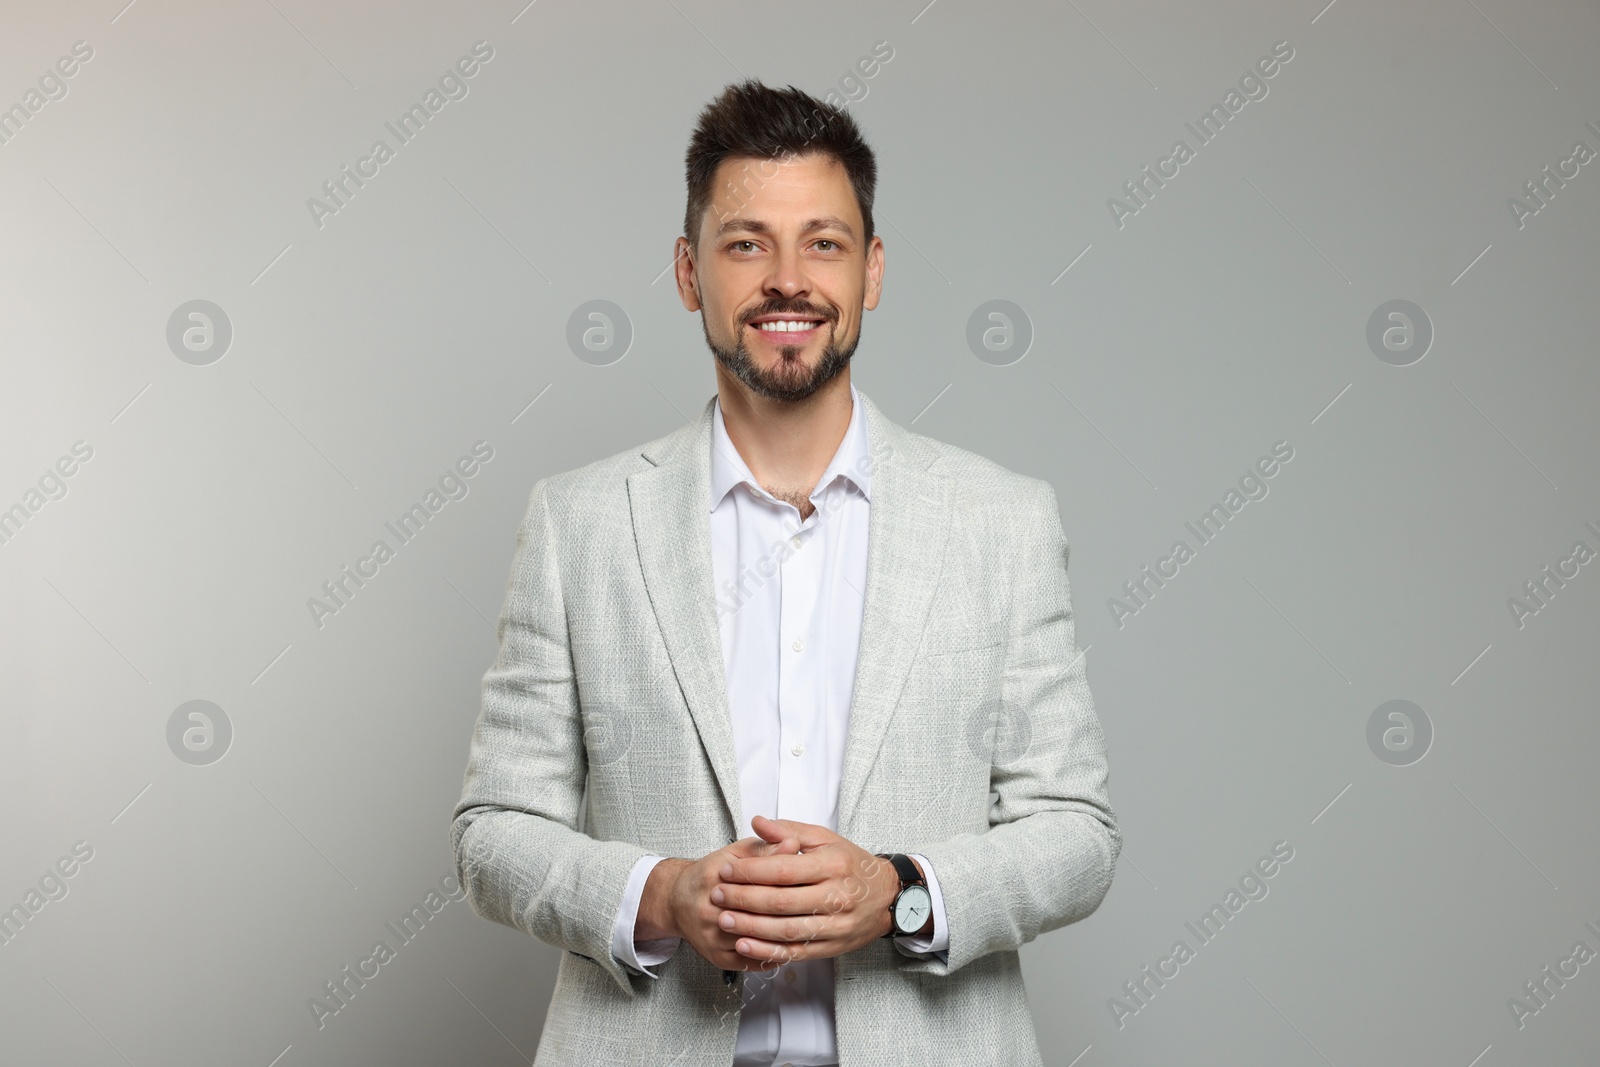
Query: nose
column 788, row 279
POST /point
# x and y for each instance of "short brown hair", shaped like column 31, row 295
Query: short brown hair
column 752, row 120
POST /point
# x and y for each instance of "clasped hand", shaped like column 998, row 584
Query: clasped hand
column 797, row 891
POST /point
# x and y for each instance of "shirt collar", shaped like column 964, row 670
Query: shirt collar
column 852, row 460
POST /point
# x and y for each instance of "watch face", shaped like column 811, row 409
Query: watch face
column 912, row 908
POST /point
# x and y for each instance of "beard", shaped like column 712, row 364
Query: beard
column 790, row 379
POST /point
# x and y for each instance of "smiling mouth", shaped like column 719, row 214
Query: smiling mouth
column 788, row 331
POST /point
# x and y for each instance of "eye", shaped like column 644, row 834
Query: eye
column 832, row 244
column 737, row 245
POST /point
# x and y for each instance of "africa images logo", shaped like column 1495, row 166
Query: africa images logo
column 1252, row 886
column 454, row 484
column 1253, row 486
column 1252, row 86
column 342, row 188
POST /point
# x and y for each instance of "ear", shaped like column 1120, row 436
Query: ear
column 874, row 289
column 683, row 268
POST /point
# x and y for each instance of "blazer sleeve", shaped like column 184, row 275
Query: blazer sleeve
column 1047, row 857
column 518, row 851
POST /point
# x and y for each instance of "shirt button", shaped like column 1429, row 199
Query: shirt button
column 799, row 645
column 789, row 977
column 795, row 540
column 798, row 750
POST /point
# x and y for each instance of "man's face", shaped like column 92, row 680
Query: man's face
column 780, row 273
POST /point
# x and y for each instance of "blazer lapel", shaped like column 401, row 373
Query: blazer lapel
column 671, row 509
column 907, row 533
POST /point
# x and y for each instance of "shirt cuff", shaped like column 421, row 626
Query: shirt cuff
column 937, row 943
column 638, row 955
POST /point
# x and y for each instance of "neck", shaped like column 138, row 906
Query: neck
column 787, row 445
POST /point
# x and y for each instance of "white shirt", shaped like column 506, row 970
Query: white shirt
column 790, row 599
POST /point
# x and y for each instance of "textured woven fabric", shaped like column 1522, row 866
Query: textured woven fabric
column 973, row 741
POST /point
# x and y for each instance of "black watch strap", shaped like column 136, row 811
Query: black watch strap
column 909, row 875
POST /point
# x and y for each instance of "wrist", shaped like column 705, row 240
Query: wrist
column 889, row 880
column 656, row 918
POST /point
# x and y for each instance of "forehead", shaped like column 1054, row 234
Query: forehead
column 779, row 191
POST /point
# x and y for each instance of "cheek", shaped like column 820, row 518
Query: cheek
column 721, row 315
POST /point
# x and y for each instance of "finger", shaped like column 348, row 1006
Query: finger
column 720, row 949
column 768, row 829
column 820, row 899
column 774, row 842
column 777, row 952
column 789, row 846
column 745, row 846
column 775, row 870
column 810, row 834
column 789, row 929
column 728, row 956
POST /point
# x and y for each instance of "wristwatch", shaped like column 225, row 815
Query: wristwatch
column 909, row 911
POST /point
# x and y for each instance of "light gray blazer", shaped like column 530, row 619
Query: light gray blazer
column 973, row 740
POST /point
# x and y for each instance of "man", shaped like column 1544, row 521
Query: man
column 742, row 663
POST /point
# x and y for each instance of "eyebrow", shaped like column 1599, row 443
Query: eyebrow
column 827, row 222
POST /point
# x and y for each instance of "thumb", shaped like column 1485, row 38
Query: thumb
column 808, row 835
column 789, row 846
column 776, row 838
column 769, row 830
column 747, row 847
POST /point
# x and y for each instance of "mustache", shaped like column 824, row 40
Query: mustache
column 791, row 307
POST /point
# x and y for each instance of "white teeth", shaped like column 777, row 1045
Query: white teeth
column 785, row 326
